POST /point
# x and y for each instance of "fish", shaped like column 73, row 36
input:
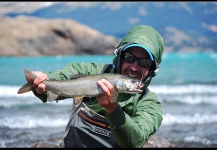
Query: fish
column 81, row 85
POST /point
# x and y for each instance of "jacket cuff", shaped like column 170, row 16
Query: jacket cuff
column 42, row 97
column 116, row 118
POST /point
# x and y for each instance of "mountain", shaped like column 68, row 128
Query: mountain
column 30, row 36
column 185, row 26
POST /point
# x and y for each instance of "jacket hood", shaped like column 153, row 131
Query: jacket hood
column 147, row 38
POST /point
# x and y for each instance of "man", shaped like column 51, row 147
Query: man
column 132, row 119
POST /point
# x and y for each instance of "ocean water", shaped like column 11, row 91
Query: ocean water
column 186, row 85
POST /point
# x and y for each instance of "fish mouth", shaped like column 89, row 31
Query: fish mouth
column 135, row 91
column 138, row 87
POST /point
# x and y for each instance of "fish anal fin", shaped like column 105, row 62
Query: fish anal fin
column 77, row 100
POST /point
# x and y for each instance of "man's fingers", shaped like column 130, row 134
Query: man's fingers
column 103, row 87
column 40, row 78
column 37, row 83
column 40, row 89
column 107, row 88
column 107, row 84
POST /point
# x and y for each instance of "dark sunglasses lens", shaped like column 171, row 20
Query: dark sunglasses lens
column 145, row 63
column 129, row 58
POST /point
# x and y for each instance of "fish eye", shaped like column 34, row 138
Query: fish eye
column 133, row 81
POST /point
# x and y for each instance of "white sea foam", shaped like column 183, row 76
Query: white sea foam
column 10, row 98
column 205, row 141
column 27, row 121
column 197, row 118
column 184, row 89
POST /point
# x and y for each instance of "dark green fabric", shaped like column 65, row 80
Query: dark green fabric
column 147, row 37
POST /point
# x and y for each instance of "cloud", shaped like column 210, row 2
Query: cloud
column 186, row 7
column 142, row 11
column 133, row 20
column 211, row 27
column 177, row 36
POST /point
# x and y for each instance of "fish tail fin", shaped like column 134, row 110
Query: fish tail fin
column 30, row 77
column 25, row 88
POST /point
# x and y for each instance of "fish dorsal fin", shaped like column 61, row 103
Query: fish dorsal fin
column 53, row 79
column 75, row 76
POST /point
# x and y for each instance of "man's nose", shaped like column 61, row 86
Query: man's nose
column 135, row 65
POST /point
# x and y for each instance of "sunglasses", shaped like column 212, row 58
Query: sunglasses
column 143, row 62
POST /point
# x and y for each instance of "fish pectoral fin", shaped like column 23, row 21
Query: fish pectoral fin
column 77, row 100
column 51, row 96
column 114, row 96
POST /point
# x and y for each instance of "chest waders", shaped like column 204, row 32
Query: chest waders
column 87, row 129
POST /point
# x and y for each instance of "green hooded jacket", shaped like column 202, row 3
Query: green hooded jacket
column 134, row 121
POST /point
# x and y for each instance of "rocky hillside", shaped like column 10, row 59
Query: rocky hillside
column 29, row 36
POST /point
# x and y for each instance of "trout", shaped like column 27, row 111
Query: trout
column 80, row 86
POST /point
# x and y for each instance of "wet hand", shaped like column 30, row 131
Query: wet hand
column 108, row 100
column 38, row 82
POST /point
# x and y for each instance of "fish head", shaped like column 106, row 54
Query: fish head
column 129, row 85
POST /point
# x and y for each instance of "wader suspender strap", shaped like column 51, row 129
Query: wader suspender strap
column 74, row 112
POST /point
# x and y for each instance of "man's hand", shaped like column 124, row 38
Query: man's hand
column 38, row 82
column 108, row 99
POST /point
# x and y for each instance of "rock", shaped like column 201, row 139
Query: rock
column 29, row 36
column 157, row 142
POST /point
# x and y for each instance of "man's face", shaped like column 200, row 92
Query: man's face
column 134, row 69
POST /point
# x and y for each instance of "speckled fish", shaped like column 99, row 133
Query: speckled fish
column 80, row 86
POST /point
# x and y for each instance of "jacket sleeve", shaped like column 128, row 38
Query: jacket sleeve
column 133, row 131
column 70, row 69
